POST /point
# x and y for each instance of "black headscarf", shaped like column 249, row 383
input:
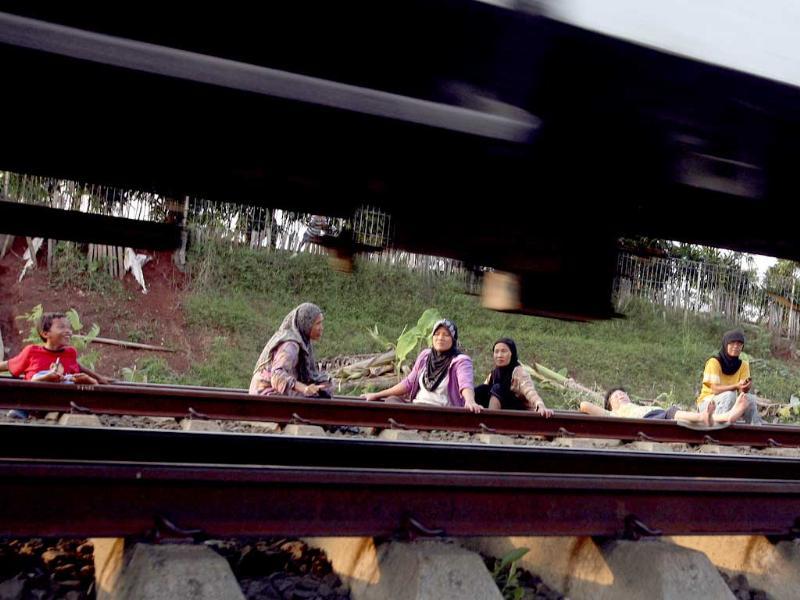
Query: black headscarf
column 439, row 362
column 730, row 364
column 500, row 380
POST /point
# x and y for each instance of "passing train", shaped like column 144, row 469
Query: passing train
column 527, row 136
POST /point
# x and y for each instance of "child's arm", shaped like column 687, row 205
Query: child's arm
column 592, row 409
column 50, row 376
column 84, row 379
column 96, row 376
column 16, row 365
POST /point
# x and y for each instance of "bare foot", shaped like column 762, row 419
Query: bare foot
column 708, row 414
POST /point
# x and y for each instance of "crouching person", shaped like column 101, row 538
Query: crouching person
column 726, row 378
column 442, row 374
column 509, row 386
column 287, row 364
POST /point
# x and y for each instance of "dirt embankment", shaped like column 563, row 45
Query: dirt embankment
column 123, row 312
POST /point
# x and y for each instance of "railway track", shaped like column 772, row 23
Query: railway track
column 199, row 402
column 67, row 481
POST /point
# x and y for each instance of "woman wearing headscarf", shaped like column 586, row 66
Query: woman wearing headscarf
column 441, row 376
column 287, row 364
column 726, row 377
column 509, row 386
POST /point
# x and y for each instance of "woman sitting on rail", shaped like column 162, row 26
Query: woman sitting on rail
column 287, row 364
column 442, row 374
column 509, row 386
column 618, row 404
column 726, row 378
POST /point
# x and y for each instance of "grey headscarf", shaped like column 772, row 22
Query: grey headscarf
column 296, row 327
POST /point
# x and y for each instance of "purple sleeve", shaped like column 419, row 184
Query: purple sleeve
column 464, row 374
column 411, row 378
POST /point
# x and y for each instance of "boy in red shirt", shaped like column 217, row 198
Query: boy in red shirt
column 56, row 361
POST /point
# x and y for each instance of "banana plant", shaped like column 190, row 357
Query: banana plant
column 410, row 338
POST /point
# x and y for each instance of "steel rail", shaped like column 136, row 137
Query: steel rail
column 106, row 499
column 71, row 481
column 45, row 442
column 184, row 401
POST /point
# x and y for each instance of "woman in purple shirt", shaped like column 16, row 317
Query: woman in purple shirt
column 442, row 374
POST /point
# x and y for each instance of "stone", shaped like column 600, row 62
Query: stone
column 580, row 568
column 263, row 426
column 718, row 449
column 13, row 589
column 255, row 561
column 200, row 425
column 156, row 420
column 400, row 435
column 493, row 439
column 52, row 557
column 66, row 571
column 85, row 549
column 79, row 420
column 585, row 443
column 425, row 570
column 742, row 583
column 431, row 570
column 657, row 447
column 773, row 568
column 309, row 430
column 178, row 572
column 255, row 588
column 788, row 452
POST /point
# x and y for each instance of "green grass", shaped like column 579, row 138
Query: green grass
column 71, row 267
column 240, row 296
column 151, row 369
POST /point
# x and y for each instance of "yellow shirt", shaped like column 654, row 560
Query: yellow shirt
column 713, row 374
column 632, row 411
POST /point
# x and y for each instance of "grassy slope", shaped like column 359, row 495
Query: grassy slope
column 239, row 297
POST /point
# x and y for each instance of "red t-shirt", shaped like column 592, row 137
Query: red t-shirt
column 33, row 359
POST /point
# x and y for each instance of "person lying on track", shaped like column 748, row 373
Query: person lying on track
column 442, row 374
column 726, row 378
column 509, row 386
column 287, row 364
column 619, row 404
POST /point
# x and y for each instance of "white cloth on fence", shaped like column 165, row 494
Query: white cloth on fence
column 134, row 263
column 30, row 261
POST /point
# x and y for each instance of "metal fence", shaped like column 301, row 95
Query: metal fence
column 257, row 227
column 695, row 287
